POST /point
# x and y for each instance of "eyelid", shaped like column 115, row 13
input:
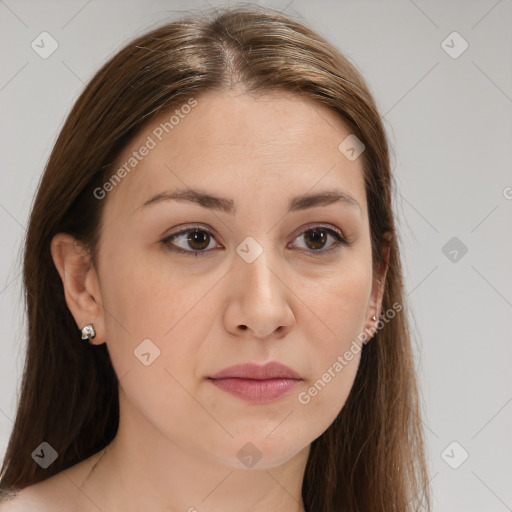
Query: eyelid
column 336, row 233
column 191, row 227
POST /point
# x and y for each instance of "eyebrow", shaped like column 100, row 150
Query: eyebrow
column 225, row 205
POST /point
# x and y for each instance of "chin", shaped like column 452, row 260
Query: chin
column 261, row 452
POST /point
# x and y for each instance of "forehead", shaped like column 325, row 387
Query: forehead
column 278, row 143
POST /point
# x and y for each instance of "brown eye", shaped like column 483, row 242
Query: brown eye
column 195, row 241
column 316, row 238
column 198, row 240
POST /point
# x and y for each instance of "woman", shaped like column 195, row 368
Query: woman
column 214, row 288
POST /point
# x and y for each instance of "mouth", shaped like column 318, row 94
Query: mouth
column 256, row 383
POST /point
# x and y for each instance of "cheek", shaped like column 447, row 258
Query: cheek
column 146, row 299
column 157, row 302
column 339, row 303
column 340, row 316
column 156, row 319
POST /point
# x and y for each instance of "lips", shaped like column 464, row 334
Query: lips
column 271, row 370
column 256, row 383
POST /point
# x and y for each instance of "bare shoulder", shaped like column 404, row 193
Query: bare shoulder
column 58, row 493
column 50, row 494
column 11, row 501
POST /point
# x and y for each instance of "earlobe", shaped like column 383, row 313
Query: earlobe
column 80, row 283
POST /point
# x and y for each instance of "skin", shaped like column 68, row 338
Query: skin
column 176, row 448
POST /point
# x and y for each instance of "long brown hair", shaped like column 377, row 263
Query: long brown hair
column 372, row 456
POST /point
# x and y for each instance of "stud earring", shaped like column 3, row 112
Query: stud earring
column 374, row 318
column 88, row 333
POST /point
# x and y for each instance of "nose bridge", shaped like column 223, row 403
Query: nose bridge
column 255, row 261
column 258, row 291
column 262, row 290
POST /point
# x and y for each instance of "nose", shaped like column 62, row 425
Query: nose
column 259, row 303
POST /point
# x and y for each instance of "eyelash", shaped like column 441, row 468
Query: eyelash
column 338, row 241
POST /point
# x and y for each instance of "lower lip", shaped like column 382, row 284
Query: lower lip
column 254, row 390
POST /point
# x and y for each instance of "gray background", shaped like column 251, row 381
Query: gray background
column 449, row 121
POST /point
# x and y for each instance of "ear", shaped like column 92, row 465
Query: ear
column 378, row 284
column 80, row 282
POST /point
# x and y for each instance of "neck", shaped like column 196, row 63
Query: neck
column 143, row 470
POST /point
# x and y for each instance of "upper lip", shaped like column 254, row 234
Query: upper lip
column 273, row 370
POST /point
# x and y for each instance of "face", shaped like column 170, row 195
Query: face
column 191, row 287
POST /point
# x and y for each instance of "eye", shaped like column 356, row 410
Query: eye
column 317, row 237
column 197, row 238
